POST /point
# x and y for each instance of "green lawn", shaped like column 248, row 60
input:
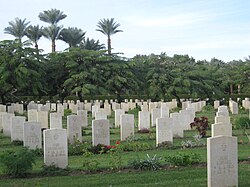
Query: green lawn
column 180, row 176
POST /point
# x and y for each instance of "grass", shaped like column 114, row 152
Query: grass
column 181, row 176
column 188, row 176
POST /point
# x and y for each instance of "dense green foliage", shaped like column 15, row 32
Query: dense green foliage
column 86, row 70
column 17, row 163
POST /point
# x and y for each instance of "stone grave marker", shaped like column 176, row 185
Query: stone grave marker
column 84, row 116
column 74, row 128
column 222, row 161
column 6, row 122
column 17, row 128
column 127, row 125
column 32, row 137
column 43, row 118
column 143, row 120
column 55, row 147
column 118, row 113
column 32, row 115
column 100, row 132
column 164, row 131
column 55, row 121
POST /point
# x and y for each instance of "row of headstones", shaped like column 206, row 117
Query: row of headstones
column 196, row 105
column 233, row 106
column 222, row 152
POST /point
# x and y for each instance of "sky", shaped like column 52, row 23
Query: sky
column 203, row 29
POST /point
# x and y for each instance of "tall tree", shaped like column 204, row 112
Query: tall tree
column 52, row 16
column 72, row 36
column 21, row 70
column 17, row 28
column 108, row 27
column 52, row 32
column 34, row 33
column 91, row 44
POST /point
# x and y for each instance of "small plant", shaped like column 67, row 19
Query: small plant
column 242, row 123
column 89, row 162
column 207, row 108
column 17, row 163
column 166, row 144
column 198, row 141
column 116, row 159
column 149, row 163
column 133, row 138
column 53, row 170
column 17, row 142
column 67, row 112
column 77, row 147
column 201, row 124
column 144, row 130
column 135, row 146
column 187, row 144
column 183, row 159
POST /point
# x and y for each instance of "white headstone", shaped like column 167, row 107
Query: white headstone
column 32, row 137
column 6, row 122
column 55, row 147
column 43, row 118
column 155, row 113
column 118, row 113
column 55, row 121
column 164, row 131
column 74, row 128
column 17, row 128
column 177, row 127
column 222, row 161
column 32, row 115
column 127, row 125
column 84, row 116
column 144, row 120
column 100, row 132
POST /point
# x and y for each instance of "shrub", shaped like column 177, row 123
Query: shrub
column 133, row 138
column 67, row 112
column 198, row 141
column 17, row 163
column 134, row 146
column 166, row 144
column 149, row 163
column 17, row 142
column 144, row 130
column 207, row 108
column 99, row 149
column 115, row 158
column 89, row 162
column 183, row 159
column 77, row 148
column 201, row 124
column 242, row 123
column 53, row 170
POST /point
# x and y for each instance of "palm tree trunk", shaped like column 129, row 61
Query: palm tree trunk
column 53, row 46
column 231, row 89
column 109, row 45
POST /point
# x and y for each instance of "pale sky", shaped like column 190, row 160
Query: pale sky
column 202, row 29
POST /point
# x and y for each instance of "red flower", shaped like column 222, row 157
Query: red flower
column 117, row 142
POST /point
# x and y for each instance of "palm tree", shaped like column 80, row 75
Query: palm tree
column 52, row 32
column 34, row 33
column 52, row 16
column 108, row 27
column 17, row 28
column 72, row 36
column 91, row 45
